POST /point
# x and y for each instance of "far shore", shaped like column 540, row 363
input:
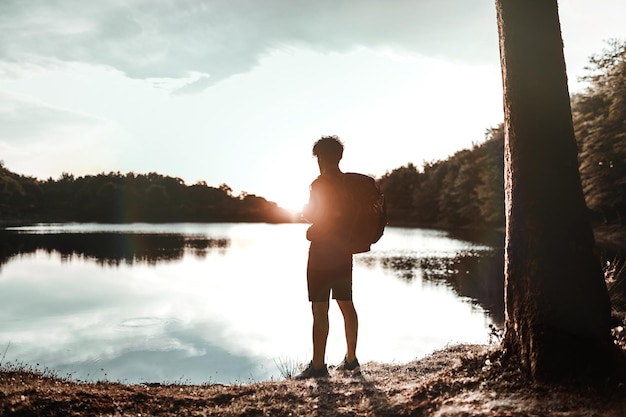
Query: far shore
column 611, row 237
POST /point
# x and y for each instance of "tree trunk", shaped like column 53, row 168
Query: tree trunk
column 557, row 305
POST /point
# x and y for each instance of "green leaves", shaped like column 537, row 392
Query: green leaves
column 599, row 116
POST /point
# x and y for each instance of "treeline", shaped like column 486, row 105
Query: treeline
column 467, row 189
column 116, row 197
column 600, row 125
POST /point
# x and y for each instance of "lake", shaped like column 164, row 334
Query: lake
column 226, row 303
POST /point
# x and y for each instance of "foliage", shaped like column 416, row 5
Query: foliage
column 130, row 197
column 600, row 123
column 467, row 189
column 464, row 190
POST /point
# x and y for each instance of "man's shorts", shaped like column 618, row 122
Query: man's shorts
column 329, row 270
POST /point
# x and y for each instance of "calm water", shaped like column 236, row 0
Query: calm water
column 224, row 302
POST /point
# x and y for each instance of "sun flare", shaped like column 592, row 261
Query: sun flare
column 292, row 198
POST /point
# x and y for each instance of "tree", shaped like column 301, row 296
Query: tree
column 490, row 191
column 600, row 125
column 399, row 187
column 557, row 305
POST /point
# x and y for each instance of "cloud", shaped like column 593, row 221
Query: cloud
column 36, row 138
column 221, row 38
column 23, row 120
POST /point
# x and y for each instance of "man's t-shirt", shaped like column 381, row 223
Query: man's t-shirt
column 330, row 262
column 325, row 209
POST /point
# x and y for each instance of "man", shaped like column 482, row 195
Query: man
column 329, row 267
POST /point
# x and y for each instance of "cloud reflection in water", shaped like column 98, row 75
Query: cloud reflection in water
column 215, row 303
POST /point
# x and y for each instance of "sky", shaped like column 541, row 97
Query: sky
column 237, row 91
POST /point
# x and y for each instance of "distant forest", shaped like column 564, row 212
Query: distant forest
column 464, row 191
column 130, row 197
column 467, row 189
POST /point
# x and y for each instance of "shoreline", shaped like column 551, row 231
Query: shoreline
column 460, row 380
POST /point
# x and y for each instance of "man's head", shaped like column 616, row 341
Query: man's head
column 328, row 150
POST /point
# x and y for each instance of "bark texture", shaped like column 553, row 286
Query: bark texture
column 557, row 305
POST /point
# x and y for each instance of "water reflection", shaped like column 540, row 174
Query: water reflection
column 477, row 275
column 223, row 302
column 109, row 248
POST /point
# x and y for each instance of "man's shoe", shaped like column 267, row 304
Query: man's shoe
column 352, row 367
column 311, row 372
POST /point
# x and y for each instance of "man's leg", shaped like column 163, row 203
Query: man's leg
column 351, row 325
column 320, row 332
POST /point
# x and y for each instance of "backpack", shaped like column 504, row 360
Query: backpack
column 365, row 214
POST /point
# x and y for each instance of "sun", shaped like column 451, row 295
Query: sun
column 291, row 199
column 289, row 190
column 287, row 183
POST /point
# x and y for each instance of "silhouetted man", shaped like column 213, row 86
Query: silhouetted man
column 329, row 268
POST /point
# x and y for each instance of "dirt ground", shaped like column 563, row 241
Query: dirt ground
column 463, row 380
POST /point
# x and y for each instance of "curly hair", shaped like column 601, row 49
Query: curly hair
column 329, row 147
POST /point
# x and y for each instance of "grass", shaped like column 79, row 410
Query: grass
column 288, row 367
column 5, row 353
